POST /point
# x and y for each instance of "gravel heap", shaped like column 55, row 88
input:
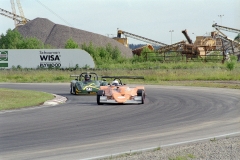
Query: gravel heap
column 57, row 35
column 214, row 149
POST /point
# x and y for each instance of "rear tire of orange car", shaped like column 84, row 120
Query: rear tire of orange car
column 141, row 93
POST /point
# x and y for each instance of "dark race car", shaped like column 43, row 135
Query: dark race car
column 86, row 83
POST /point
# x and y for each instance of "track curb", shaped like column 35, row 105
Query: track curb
column 57, row 100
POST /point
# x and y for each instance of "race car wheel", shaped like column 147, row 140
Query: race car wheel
column 71, row 90
column 99, row 94
column 98, row 100
column 141, row 93
column 74, row 90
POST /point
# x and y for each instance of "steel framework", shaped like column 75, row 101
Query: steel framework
column 18, row 19
column 150, row 41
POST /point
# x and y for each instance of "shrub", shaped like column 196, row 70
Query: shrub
column 230, row 65
column 70, row 44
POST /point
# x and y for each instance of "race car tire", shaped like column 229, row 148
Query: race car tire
column 71, row 90
column 74, row 91
column 99, row 94
column 141, row 93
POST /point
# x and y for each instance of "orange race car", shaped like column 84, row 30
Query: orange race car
column 117, row 92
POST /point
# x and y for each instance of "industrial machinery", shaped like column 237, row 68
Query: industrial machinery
column 202, row 47
column 228, row 45
column 181, row 46
column 187, row 37
column 218, row 27
column 124, row 41
column 138, row 51
column 216, row 44
column 173, row 47
column 18, row 19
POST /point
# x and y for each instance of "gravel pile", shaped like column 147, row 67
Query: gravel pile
column 214, row 149
column 56, row 35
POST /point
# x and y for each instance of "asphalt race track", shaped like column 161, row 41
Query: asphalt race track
column 80, row 129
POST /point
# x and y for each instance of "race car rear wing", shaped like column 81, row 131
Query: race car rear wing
column 124, row 77
column 91, row 74
column 118, row 78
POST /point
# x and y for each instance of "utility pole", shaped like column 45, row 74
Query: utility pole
column 221, row 17
column 171, row 35
column 194, row 35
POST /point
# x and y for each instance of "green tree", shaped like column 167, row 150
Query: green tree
column 14, row 40
column 237, row 38
column 92, row 50
column 31, row 43
column 71, row 44
column 11, row 40
column 103, row 53
column 116, row 53
column 146, row 53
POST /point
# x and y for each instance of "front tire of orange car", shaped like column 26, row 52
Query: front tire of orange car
column 99, row 94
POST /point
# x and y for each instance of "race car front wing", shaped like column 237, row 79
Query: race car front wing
column 135, row 100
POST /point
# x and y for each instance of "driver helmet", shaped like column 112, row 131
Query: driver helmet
column 87, row 77
column 115, row 83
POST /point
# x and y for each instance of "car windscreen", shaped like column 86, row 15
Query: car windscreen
column 90, row 83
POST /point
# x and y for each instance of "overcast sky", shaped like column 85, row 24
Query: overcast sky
column 152, row 19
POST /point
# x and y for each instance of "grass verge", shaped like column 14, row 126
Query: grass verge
column 15, row 99
column 151, row 75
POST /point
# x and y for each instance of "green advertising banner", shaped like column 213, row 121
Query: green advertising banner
column 3, row 58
